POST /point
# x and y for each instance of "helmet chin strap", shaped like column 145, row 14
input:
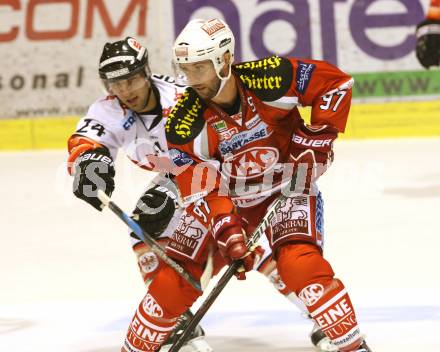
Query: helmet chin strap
column 220, row 88
column 223, row 81
column 148, row 97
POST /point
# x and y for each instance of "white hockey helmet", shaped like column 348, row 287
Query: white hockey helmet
column 204, row 40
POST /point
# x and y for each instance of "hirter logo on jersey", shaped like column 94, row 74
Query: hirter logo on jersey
column 304, row 73
column 185, row 121
column 250, row 163
column 269, row 78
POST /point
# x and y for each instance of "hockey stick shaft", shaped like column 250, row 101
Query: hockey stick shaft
column 158, row 250
column 226, row 277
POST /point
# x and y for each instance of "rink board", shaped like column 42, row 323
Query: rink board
column 377, row 120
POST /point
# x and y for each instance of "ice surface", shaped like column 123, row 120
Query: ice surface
column 69, row 281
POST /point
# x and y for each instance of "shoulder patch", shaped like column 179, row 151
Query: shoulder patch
column 269, row 78
column 304, row 73
column 185, row 120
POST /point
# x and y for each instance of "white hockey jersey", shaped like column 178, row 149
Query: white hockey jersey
column 141, row 136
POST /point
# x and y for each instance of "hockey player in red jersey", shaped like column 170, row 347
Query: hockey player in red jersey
column 132, row 118
column 428, row 37
column 238, row 139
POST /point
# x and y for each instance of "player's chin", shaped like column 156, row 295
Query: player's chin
column 134, row 105
column 205, row 93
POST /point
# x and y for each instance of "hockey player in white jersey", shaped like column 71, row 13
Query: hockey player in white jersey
column 132, row 117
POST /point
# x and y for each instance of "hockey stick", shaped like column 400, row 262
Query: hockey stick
column 229, row 273
column 158, row 250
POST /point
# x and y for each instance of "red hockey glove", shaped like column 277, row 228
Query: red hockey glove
column 227, row 230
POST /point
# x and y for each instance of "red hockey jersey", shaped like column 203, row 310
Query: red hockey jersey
column 244, row 156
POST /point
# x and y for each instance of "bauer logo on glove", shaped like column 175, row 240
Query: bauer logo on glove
column 94, row 169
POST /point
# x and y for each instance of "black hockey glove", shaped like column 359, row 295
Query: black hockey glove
column 94, row 169
column 428, row 43
column 154, row 210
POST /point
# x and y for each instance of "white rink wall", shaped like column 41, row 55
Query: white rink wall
column 54, row 47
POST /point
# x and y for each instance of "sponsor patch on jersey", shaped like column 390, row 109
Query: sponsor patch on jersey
column 261, row 131
column 220, row 126
column 185, row 121
column 180, row 158
column 188, row 236
column 304, row 73
column 194, row 197
column 237, row 117
column 227, row 135
column 253, row 121
column 269, row 78
column 128, row 121
column 293, row 221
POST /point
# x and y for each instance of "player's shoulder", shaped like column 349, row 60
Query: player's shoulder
column 165, row 83
column 269, row 78
column 169, row 90
column 186, row 119
column 107, row 108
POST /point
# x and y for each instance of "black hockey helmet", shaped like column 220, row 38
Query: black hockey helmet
column 122, row 59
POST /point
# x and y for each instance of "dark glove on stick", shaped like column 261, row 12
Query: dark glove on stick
column 154, row 210
column 94, row 169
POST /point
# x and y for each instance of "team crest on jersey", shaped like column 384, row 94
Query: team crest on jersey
column 185, row 121
column 268, row 78
column 250, row 163
column 148, row 262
